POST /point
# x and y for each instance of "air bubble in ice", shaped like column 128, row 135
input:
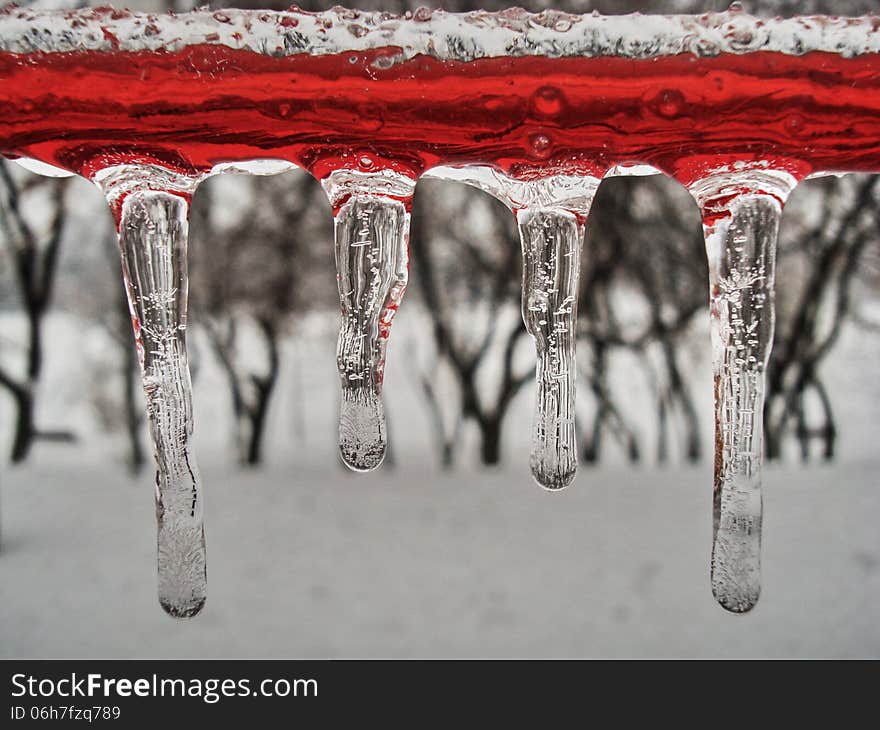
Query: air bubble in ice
column 540, row 145
column 669, row 103
column 548, row 101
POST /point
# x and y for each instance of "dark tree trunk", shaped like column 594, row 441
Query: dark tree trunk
column 490, row 441
column 679, row 390
column 829, row 430
column 662, row 438
column 772, row 445
column 255, row 412
column 35, row 342
column 24, row 424
column 35, row 261
column 802, row 431
column 593, row 442
column 633, row 452
column 254, row 455
column 256, row 417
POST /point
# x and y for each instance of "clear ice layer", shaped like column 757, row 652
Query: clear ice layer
column 550, row 213
column 152, row 228
column 551, row 243
column 742, row 212
column 372, row 262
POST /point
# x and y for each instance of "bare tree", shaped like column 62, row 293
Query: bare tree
column 814, row 305
column 461, row 276
column 642, row 242
column 251, row 277
column 33, row 252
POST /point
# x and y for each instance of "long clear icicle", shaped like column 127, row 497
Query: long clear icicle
column 151, row 207
column 551, row 244
column 372, row 260
column 551, row 213
column 741, row 213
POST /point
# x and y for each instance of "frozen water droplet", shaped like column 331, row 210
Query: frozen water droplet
column 384, row 62
column 795, row 124
column 541, row 146
column 670, row 103
column 362, row 439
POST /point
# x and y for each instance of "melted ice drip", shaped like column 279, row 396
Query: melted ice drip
column 152, row 226
column 550, row 213
column 741, row 220
column 372, row 260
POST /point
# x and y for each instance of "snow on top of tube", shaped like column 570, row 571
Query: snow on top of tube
column 450, row 36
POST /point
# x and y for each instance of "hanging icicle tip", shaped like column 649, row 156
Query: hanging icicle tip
column 151, row 206
column 371, row 230
column 741, row 209
column 551, row 213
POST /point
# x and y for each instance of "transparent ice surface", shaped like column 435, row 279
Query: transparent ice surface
column 372, row 260
column 741, row 212
column 550, row 213
column 551, row 243
column 152, row 225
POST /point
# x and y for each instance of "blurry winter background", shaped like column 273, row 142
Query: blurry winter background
column 450, row 549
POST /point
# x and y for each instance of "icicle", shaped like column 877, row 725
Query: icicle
column 551, row 213
column 151, row 207
column 551, row 244
column 371, row 212
column 741, row 213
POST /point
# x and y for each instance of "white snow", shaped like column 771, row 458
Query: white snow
column 316, row 562
column 455, row 36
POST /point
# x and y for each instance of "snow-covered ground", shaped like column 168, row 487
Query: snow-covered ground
column 317, row 562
